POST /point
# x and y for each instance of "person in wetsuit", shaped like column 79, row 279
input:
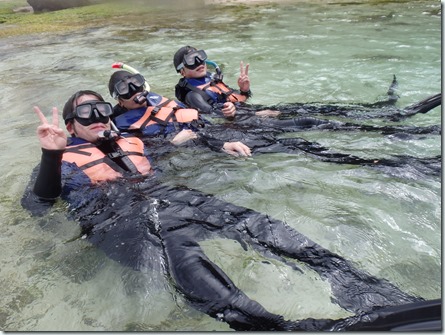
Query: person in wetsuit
column 207, row 92
column 190, row 62
column 149, row 115
column 108, row 182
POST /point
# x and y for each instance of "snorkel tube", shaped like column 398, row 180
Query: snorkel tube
column 123, row 66
column 218, row 76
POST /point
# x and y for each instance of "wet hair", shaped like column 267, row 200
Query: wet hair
column 115, row 77
column 68, row 109
column 179, row 55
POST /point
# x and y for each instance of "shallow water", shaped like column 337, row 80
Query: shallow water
column 387, row 224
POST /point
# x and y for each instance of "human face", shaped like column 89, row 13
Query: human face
column 91, row 132
column 198, row 72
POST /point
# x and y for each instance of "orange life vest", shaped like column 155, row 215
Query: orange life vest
column 99, row 166
column 166, row 111
column 221, row 88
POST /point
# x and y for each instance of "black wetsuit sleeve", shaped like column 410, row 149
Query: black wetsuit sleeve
column 210, row 142
column 247, row 94
column 118, row 110
column 48, row 184
column 197, row 101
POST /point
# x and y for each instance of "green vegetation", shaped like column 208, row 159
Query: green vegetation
column 14, row 23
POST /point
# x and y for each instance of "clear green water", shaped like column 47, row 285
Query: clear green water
column 300, row 52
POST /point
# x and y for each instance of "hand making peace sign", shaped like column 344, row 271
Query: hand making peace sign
column 243, row 80
column 51, row 136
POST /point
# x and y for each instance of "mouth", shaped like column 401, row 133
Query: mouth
column 98, row 127
column 200, row 68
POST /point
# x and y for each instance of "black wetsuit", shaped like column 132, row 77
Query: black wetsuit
column 161, row 226
column 198, row 99
column 261, row 135
column 297, row 117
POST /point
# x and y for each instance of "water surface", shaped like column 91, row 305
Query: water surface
column 388, row 224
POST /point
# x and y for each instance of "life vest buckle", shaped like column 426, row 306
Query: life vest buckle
column 114, row 155
column 155, row 110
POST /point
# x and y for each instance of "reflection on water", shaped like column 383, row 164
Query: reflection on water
column 388, row 225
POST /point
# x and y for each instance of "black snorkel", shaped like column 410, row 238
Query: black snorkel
column 109, row 135
column 141, row 98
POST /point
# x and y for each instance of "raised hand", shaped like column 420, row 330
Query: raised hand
column 50, row 135
column 243, row 79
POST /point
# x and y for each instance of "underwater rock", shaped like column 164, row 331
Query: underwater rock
column 53, row 5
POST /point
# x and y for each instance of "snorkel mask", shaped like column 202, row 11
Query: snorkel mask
column 129, row 86
column 192, row 60
column 91, row 112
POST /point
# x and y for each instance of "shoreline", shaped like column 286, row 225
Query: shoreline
column 18, row 19
column 258, row 2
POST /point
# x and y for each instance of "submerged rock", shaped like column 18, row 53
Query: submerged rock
column 53, row 5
